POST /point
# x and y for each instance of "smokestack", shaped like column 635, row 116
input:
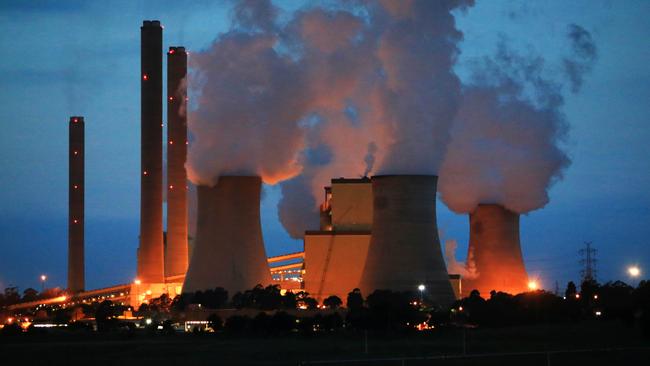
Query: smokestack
column 150, row 253
column 404, row 247
column 495, row 251
column 176, row 250
column 76, row 276
column 229, row 249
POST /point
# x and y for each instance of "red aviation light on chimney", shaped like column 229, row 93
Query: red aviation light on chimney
column 172, row 51
column 75, row 120
column 144, row 173
column 171, row 187
column 145, row 77
column 171, row 99
column 75, row 152
column 75, row 221
column 75, row 186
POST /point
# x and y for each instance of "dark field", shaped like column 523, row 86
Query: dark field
column 538, row 345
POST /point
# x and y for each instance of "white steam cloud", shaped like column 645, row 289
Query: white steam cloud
column 505, row 145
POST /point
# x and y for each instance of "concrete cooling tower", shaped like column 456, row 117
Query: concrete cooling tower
column 494, row 253
column 404, row 246
column 229, row 249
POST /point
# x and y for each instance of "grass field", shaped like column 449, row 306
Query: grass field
column 538, row 345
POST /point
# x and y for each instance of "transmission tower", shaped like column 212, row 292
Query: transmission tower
column 588, row 262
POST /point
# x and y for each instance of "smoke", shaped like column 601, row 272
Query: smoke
column 250, row 100
column 384, row 92
column 370, row 158
column 467, row 271
column 506, row 138
column 584, row 54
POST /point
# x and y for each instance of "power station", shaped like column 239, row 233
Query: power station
column 375, row 233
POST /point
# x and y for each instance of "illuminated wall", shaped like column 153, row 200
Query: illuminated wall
column 333, row 262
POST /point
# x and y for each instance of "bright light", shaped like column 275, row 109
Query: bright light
column 598, row 313
column 137, row 281
column 43, row 277
column 148, row 321
column 532, row 285
column 145, row 77
column 577, row 296
column 634, row 271
column 421, row 288
column 460, row 308
column 595, row 297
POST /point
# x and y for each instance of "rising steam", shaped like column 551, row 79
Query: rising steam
column 250, row 99
column 505, row 145
column 369, row 87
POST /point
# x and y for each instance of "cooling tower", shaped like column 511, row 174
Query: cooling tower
column 494, row 253
column 404, row 246
column 176, row 249
column 151, row 252
column 76, row 276
column 229, row 249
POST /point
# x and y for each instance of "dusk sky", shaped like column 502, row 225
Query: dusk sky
column 65, row 58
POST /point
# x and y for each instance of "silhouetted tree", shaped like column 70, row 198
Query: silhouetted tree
column 571, row 290
column 104, row 316
column 30, row 295
column 354, row 300
column 11, row 296
column 332, row 302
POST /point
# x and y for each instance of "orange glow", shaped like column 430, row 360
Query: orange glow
column 532, row 285
column 137, row 281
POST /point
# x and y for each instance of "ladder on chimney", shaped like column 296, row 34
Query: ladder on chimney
column 328, row 256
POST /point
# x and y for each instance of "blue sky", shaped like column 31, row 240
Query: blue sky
column 68, row 58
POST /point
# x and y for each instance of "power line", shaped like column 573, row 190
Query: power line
column 588, row 261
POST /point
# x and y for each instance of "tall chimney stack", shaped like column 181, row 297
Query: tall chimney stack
column 76, row 276
column 151, row 252
column 176, row 250
column 229, row 250
column 404, row 247
column 495, row 252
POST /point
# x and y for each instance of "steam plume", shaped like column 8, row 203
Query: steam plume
column 385, row 92
column 250, row 99
column 505, row 145
column 466, row 270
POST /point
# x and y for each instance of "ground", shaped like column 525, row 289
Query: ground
column 575, row 344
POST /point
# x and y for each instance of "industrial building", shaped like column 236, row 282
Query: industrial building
column 375, row 233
